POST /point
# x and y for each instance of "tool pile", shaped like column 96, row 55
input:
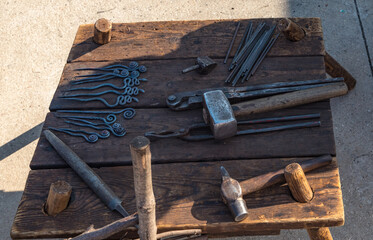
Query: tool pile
column 251, row 51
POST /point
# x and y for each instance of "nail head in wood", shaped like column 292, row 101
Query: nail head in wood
column 320, row 233
column 58, row 197
column 298, row 183
column 102, row 31
column 291, row 30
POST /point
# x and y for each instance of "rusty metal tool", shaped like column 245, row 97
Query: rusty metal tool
column 221, row 115
column 231, row 44
column 193, row 99
column 204, row 65
column 94, row 182
column 187, row 133
column 233, row 191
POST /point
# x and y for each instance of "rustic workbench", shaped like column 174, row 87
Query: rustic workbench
column 186, row 175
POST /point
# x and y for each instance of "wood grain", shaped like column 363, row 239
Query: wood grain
column 297, row 182
column 185, row 39
column 114, row 151
column 187, row 196
column 165, row 78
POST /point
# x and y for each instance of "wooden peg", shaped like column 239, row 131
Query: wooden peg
column 302, row 192
column 145, row 201
column 291, row 30
column 298, row 184
column 58, row 197
column 320, row 233
column 102, row 31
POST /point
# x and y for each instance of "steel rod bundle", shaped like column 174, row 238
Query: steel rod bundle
column 251, row 51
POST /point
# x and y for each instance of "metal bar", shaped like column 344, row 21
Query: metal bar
column 254, row 131
column 232, row 42
column 262, row 56
column 242, row 42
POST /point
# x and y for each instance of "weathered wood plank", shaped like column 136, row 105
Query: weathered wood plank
column 115, row 151
column 165, row 78
column 187, row 196
column 185, row 39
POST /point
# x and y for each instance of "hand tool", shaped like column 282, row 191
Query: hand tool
column 232, row 191
column 186, row 133
column 231, row 44
column 204, row 65
column 193, row 99
column 221, row 116
column 93, row 181
column 128, row 113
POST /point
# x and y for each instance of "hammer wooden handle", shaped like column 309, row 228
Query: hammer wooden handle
column 257, row 183
column 289, row 99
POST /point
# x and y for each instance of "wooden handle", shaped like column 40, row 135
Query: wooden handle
column 102, row 31
column 298, row 183
column 334, row 69
column 291, row 30
column 145, row 201
column 58, row 197
column 291, row 99
column 263, row 181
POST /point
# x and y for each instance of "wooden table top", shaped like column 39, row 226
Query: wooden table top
column 186, row 175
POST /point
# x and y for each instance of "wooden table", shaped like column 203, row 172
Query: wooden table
column 186, row 175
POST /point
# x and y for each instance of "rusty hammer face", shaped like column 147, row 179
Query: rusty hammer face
column 231, row 193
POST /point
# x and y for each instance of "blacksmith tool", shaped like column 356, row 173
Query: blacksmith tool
column 194, row 99
column 221, row 116
column 186, row 133
column 233, row 191
column 204, row 65
column 93, row 181
column 231, row 44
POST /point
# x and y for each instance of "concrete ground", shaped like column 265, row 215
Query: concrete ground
column 36, row 37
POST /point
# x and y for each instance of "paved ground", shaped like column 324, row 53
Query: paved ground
column 36, row 37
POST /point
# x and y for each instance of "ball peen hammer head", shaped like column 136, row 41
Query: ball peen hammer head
column 231, row 193
column 217, row 111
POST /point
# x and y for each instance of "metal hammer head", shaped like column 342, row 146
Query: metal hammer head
column 206, row 64
column 218, row 112
column 232, row 196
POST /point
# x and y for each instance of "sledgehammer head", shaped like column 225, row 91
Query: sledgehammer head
column 231, row 193
column 217, row 111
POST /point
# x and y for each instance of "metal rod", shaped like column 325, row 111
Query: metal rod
column 262, row 56
column 242, row 42
column 232, row 42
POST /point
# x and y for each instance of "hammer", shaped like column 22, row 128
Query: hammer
column 221, row 115
column 204, row 65
column 232, row 191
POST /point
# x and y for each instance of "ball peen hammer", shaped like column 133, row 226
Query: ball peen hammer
column 233, row 191
column 221, row 115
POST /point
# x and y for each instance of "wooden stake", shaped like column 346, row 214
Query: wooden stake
column 58, row 197
column 302, row 192
column 291, row 30
column 102, row 31
column 334, row 69
column 298, row 184
column 145, row 201
column 320, row 233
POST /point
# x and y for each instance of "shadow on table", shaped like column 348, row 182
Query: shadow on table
column 21, row 141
